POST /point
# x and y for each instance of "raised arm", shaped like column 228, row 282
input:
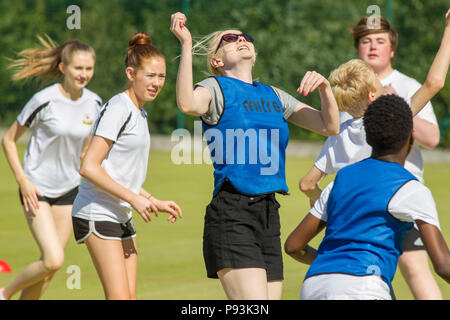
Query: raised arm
column 325, row 121
column 435, row 80
column 189, row 101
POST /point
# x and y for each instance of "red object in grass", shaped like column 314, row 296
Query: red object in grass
column 4, row 267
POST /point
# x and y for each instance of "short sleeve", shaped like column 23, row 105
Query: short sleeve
column 348, row 147
column 324, row 160
column 30, row 114
column 414, row 201
column 216, row 105
column 319, row 210
column 111, row 121
column 288, row 102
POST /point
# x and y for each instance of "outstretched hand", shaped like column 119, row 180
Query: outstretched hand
column 170, row 207
column 178, row 28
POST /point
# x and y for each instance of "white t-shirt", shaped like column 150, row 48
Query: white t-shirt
column 59, row 127
column 405, row 88
column 126, row 162
column 348, row 147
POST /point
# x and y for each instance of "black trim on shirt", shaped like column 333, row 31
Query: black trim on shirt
column 123, row 127
column 99, row 102
column 35, row 112
column 100, row 117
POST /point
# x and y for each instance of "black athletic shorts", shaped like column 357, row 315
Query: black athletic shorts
column 107, row 230
column 242, row 232
column 412, row 241
column 65, row 199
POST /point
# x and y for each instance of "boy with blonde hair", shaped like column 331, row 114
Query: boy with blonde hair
column 354, row 86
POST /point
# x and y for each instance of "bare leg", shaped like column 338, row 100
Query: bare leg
column 244, row 284
column 274, row 289
column 130, row 255
column 417, row 273
column 43, row 228
column 63, row 222
column 109, row 260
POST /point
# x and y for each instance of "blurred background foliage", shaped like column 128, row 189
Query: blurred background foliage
column 291, row 37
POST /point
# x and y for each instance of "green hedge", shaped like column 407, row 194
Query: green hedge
column 291, row 38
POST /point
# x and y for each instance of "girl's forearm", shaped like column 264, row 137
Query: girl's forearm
column 329, row 111
column 98, row 176
column 184, row 84
column 12, row 155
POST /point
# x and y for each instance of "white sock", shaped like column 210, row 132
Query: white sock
column 2, row 297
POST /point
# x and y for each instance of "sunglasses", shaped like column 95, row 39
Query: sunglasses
column 232, row 37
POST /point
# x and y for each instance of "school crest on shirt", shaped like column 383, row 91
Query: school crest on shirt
column 88, row 119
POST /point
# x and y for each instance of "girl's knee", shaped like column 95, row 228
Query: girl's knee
column 53, row 262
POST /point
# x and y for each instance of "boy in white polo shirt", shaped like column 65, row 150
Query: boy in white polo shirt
column 377, row 47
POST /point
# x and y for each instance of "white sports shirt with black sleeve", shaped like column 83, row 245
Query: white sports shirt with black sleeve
column 122, row 122
column 59, row 127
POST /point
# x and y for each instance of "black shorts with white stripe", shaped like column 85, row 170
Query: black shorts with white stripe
column 106, row 230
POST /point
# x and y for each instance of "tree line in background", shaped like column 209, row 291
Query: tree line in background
column 291, row 37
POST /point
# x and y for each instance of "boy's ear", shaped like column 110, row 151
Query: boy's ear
column 371, row 97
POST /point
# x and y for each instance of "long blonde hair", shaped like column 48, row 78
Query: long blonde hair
column 207, row 46
column 43, row 62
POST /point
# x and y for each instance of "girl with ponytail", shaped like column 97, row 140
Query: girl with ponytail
column 114, row 170
column 60, row 117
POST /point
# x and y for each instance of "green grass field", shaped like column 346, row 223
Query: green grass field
column 170, row 255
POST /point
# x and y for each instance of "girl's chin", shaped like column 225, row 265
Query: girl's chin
column 150, row 97
column 80, row 85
